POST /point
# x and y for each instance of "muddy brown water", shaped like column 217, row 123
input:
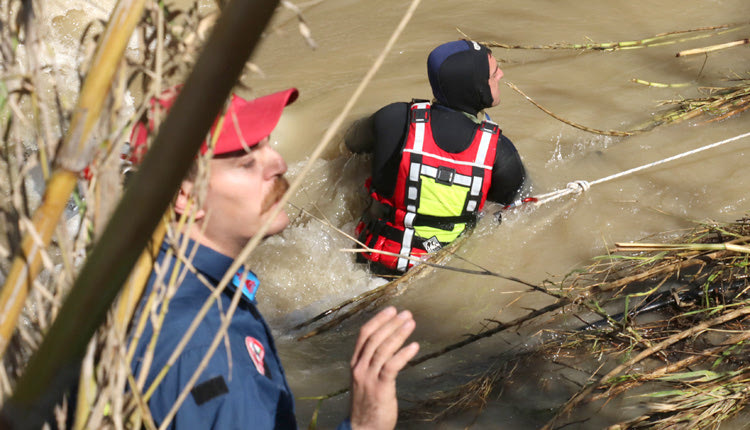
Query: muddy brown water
column 303, row 270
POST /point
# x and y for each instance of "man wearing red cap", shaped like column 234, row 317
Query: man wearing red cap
column 242, row 384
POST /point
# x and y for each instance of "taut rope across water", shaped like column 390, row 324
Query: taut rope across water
column 580, row 186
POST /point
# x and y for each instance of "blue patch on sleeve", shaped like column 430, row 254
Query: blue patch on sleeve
column 251, row 284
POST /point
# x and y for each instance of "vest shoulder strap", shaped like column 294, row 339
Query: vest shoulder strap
column 419, row 112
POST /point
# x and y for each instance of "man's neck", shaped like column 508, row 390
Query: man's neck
column 224, row 247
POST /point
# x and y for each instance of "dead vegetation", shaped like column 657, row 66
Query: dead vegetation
column 667, row 321
column 696, row 290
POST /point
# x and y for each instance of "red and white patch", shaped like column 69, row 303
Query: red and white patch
column 256, row 351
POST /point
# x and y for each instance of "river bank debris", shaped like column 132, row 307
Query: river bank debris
column 667, row 325
column 719, row 101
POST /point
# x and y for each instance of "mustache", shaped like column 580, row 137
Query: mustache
column 277, row 191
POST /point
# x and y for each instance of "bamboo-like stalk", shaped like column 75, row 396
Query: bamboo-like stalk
column 712, row 48
column 136, row 283
column 75, row 154
column 126, row 305
column 656, row 40
column 205, row 92
column 682, row 247
column 659, row 84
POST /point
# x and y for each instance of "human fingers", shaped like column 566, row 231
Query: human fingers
column 398, row 361
column 376, row 344
column 368, row 328
column 387, row 343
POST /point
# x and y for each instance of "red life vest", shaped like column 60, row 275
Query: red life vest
column 437, row 193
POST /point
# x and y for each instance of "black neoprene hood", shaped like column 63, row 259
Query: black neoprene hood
column 459, row 74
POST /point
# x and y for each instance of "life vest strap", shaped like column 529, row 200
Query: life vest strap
column 380, row 228
column 388, row 213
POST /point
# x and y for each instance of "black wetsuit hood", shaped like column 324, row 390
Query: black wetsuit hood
column 459, row 75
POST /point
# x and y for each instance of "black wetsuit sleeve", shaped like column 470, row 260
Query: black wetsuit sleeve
column 390, row 128
column 508, row 173
column 360, row 137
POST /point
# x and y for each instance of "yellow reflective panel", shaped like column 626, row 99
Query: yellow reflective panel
column 441, row 200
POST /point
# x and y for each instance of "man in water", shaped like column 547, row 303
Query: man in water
column 242, row 383
column 435, row 163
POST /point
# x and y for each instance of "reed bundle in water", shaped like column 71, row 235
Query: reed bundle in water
column 721, row 102
column 667, row 320
column 662, row 39
column 694, row 296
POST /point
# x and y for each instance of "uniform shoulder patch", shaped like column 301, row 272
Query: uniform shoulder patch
column 210, row 389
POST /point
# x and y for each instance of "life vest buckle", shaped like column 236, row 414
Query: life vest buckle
column 420, row 115
column 445, row 175
column 489, row 127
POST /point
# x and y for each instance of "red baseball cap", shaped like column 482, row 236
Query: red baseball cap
column 244, row 124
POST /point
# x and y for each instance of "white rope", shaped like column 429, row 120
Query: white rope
column 577, row 187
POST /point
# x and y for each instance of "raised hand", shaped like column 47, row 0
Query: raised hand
column 378, row 357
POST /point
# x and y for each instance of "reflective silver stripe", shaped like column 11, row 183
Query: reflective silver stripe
column 476, row 187
column 419, row 136
column 463, row 163
column 419, row 129
column 409, row 219
column 411, row 208
column 403, row 263
column 429, row 171
column 462, row 180
column 458, row 178
column 412, row 193
column 414, row 172
column 484, row 145
column 471, row 206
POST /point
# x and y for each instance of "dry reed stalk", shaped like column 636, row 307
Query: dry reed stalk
column 124, row 309
column 724, row 266
column 720, row 102
column 659, row 85
column 712, row 48
column 74, row 155
column 634, row 247
column 472, row 395
column 656, row 40
column 570, row 123
column 112, row 257
column 687, row 362
column 583, row 395
column 723, row 106
column 134, row 286
column 397, row 286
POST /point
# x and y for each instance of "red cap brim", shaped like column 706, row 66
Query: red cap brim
column 248, row 122
column 245, row 123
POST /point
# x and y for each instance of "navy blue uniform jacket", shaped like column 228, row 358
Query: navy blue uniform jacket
column 243, row 385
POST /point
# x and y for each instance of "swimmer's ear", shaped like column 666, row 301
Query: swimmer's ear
column 182, row 202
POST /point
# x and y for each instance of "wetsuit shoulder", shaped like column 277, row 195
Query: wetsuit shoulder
column 508, row 173
column 390, row 127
